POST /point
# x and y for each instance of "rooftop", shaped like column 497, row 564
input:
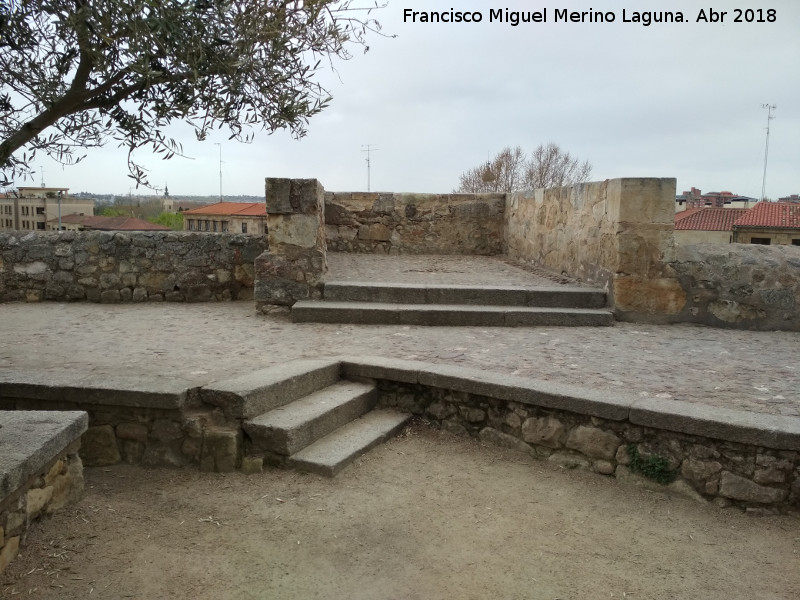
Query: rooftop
column 238, row 209
column 708, row 219
column 772, row 215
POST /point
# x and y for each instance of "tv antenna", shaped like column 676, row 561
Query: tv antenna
column 220, row 169
column 770, row 108
column 41, row 168
column 368, row 148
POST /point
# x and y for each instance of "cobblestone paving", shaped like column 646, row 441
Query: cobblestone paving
column 198, row 343
column 439, row 269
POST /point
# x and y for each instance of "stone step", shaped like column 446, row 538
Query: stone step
column 408, row 293
column 335, row 451
column 378, row 313
column 294, row 426
column 252, row 394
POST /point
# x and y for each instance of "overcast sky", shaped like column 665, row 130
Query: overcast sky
column 677, row 100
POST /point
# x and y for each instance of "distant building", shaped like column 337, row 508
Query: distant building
column 687, row 200
column 793, row 199
column 89, row 223
column 167, row 203
column 706, row 225
column 694, row 198
column 236, row 217
column 30, row 208
column 769, row 223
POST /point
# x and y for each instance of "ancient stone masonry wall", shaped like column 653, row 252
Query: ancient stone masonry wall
column 378, row 223
column 59, row 484
column 617, row 234
column 156, row 435
column 740, row 285
column 752, row 477
column 40, row 471
column 294, row 265
column 101, row 266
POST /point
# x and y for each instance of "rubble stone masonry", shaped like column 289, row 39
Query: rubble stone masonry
column 380, row 223
column 112, row 267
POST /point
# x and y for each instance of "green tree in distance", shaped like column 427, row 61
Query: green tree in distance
column 76, row 73
column 171, row 220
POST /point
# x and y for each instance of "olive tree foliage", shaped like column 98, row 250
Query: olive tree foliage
column 75, row 74
column 511, row 171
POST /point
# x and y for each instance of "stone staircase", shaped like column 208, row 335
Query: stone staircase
column 302, row 415
column 452, row 305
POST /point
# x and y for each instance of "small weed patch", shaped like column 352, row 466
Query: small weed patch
column 652, row 467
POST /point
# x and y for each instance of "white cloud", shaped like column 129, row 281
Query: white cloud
column 672, row 100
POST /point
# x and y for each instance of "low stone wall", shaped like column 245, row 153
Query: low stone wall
column 381, row 223
column 740, row 285
column 728, row 473
column 40, row 470
column 101, row 266
column 728, row 457
column 157, row 424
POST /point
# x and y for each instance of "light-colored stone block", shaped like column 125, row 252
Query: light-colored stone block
column 9, row 552
column 593, row 442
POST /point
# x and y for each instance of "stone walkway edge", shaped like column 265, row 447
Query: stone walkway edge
column 770, row 431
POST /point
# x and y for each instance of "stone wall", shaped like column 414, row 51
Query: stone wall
column 617, row 234
column 165, row 428
column 740, row 285
column 105, row 266
column 293, row 266
column 59, row 484
column 40, row 471
column 382, row 223
column 752, row 477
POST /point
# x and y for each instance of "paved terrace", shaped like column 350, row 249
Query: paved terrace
column 195, row 344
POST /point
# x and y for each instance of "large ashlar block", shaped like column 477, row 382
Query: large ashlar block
column 294, row 196
column 661, row 296
column 643, row 250
column 297, row 230
column 645, row 200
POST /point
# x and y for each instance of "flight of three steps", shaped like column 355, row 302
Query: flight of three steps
column 368, row 303
column 301, row 415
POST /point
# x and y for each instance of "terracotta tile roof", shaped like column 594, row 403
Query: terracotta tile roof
column 685, row 213
column 772, row 215
column 111, row 223
column 241, row 209
column 709, row 219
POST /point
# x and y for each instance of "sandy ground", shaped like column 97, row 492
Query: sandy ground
column 425, row 516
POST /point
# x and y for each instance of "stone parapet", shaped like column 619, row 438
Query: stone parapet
column 137, row 266
column 729, row 457
column 617, row 234
column 742, row 286
column 295, row 263
column 726, row 457
column 384, row 223
column 40, row 470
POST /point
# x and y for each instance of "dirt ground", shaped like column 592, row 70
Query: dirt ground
column 427, row 515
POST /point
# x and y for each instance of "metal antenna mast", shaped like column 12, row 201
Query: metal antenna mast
column 368, row 148
column 770, row 108
column 220, row 169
